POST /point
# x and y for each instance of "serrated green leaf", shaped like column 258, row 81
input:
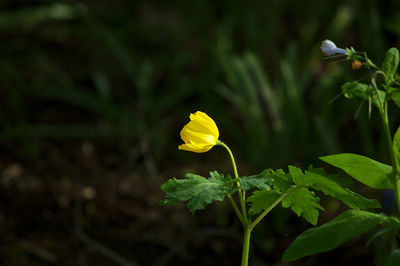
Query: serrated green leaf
column 260, row 181
column 320, row 239
column 329, row 185
column 280, row 181
column 389, row 66
column 367, row 171
column 396, row 147
column 261, row 199
column 199, row 190
column 297, row 174
column 304, row 203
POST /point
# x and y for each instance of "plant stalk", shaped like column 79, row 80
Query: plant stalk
column 243, row 215
column 237, row 211
column 246, row 246
column 389, row 142
column 242, row 197
column 267, row 210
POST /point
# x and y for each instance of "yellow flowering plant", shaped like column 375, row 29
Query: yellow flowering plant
column 294, row 189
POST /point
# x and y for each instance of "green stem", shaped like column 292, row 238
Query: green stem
column 267, row 210
column 231, row 155
column 246, row 246
column 389, row 142
column 242, row 216
column 242, row 197
column 239, row 215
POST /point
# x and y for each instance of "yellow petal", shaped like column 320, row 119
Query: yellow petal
column 195, row 148
column 199, row 138
column 190, row 136
column 184, row 137
column 202, row 118
column 205, row 117
column 201, row 126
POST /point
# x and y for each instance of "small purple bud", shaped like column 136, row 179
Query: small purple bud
column 329, row 48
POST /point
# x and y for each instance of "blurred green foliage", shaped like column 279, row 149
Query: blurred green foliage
column 133, row 70
column 127, row 74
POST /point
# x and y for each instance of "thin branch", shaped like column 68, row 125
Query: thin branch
column 235, row 207
column 267, row 210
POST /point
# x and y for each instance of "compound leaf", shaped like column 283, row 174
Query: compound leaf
column 304, row 203
column 262, row 199
column 198, row 190
column 260, row 181
column 280, row 181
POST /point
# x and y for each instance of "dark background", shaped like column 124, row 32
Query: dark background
column 93, row 96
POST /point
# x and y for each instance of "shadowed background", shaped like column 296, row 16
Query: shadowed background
column 93, row 96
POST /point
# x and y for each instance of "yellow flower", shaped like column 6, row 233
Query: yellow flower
column 200, row 134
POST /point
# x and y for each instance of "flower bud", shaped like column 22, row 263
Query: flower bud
column 200, row 134
column 356, row 64
column 329, row 48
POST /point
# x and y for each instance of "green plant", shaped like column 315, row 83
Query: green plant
column 294, row 189
column 383, row 88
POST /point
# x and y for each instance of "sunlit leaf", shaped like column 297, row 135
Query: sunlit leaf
column 369, row 172
column 304, row 203
column 297, row 174
column 330, row 185
column 280, row 181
